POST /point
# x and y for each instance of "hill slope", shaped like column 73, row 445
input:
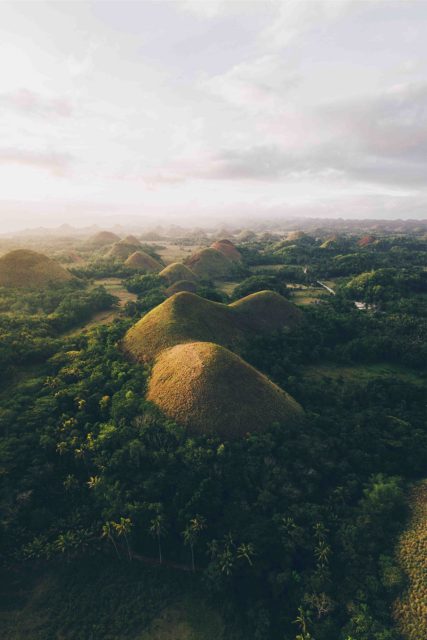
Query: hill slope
column 208, row 389
column 209, row 264
column 177, row 271
column 228, row 249
column 185, row 317
column 102, row 239
column 141, row 260
column 27, row 269
column 181, row 285
column 122, row 250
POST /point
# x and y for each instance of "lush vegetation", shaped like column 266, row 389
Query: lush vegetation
column 291, row 531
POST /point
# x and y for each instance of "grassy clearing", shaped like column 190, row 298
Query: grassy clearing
column 308, row 295
column 116, row 288
column 226, row 287
column 189, row 619
column 362, row 373
column 259, row 268
column 172, row 252
column 104, row 599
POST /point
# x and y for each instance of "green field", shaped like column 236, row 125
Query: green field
column 362, row 373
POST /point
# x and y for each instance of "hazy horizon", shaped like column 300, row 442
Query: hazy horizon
column 204, row 112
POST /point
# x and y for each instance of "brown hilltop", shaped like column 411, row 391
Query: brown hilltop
column 181, row 285
column 228, row 249
column 143, row 261
column 366, row 240
column 121, row 251
column 102, row 239
column 209, row 264
column 186, row 317
column 131, row 240
column 177, row 271
column 210, row 390
column 27, row 269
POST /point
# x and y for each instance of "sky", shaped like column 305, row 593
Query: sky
column 193, row 111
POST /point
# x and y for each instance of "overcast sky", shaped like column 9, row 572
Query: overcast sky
column 225, row 109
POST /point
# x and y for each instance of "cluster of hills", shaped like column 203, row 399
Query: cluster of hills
column 197, row 379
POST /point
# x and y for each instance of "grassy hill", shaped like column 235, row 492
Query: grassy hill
column 209, row 264
column 266, row 311
column 102, row 239
column 228, row 249
column 181, row 285
column 130, row 239
column 186, row 317
column 27, row 269
column 411, row 608
column 122, row 250
column 209, row 389
column 144, row 262
column 177, row 271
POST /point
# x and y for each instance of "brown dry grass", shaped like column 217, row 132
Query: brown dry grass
column 102, row 239
column 411, row 608
column 186, row 317
column 181, row 285
column 177, row 271
column 208, row 389
column 228, row 249
column 209, row 264
column 144, row 262
column 121, row 251
column 27, row 269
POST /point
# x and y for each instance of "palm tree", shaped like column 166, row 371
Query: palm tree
column 302, row 621
column 158, row 529
column 122, row 528
column 107, row 532
column 247, row 551
column 195, row 526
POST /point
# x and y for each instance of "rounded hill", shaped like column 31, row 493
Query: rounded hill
column 131, row 240
column 177, row 271
column 186, row 317
column 210, row 390
column 228, row 249
column 181, row 285
column 121, row 250
column 27, row 269
column 267, row 311
column 143, row 261
column 209, row 264
column 102, row 239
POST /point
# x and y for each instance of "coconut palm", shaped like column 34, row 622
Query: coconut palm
column 191, row 533
column 123, row 528
column 158, row 529
column 108, row 532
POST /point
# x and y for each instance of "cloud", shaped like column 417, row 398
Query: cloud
column 57, row 163
column 390, row 124
column 296, row 17
column 378, row 139
column 206, row 9
column 29, row 102
column 256, row 85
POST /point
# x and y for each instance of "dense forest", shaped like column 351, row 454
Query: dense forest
column 113, row 511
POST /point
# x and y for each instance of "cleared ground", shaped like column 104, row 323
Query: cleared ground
column 362, row 373
column 172, row 252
